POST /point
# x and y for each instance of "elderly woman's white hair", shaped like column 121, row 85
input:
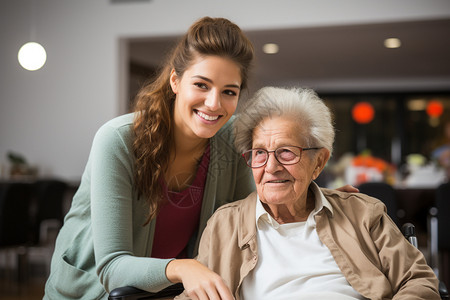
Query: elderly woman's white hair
column 313, row 116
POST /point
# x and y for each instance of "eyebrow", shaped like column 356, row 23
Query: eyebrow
column 210, row 81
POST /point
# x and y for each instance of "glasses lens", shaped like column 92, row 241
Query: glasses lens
column 259, row 157
column 288, row 155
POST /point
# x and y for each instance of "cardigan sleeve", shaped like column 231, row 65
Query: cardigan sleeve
column 113, row 214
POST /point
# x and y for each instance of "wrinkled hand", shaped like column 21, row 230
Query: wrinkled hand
column 348, row 188
column 199, row 282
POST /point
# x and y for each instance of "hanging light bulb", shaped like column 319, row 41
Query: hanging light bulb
column 32, row 56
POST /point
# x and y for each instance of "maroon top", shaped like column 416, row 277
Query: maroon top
column 179, row 217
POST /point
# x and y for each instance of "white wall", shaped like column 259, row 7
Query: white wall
column 51, row 115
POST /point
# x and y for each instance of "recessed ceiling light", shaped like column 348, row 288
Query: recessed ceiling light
column 392, row 43
column 270, row 48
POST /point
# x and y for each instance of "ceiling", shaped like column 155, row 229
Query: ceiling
column 340, row 58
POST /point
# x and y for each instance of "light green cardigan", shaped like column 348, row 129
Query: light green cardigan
column 106, row 212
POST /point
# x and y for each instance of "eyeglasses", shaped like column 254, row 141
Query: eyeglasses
column 286, row 155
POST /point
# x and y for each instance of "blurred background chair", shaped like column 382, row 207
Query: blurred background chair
column 15, row 225
column 49, row 214
column 385, row 193
column 47, row 218
column 439, row 233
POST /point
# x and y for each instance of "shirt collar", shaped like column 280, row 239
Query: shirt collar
column 320, row 203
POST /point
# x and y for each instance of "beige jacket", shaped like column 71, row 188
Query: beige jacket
column 367, row 246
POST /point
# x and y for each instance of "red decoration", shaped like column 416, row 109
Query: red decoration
column 363, row 112
column 435, row 108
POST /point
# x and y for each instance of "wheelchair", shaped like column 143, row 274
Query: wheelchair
column 132, row 293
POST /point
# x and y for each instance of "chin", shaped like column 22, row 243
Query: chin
column 278, row 196
column 207, row 133
column 273, row 199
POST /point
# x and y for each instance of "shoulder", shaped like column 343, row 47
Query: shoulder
column 354, row 202
column 234, row 209
column 227, row 131
column 118, row 123
column 114, row 137
column 120, row 127
column 222, row 144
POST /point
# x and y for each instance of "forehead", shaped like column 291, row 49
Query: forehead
column 279, row 130
column 214, row 64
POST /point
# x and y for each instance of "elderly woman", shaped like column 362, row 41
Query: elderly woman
column 294, row 240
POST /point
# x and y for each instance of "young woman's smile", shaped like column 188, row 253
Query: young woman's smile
column 206, row 96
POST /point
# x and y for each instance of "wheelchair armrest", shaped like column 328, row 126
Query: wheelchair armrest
column 443, row 290
column 127, row 293
column 132, row 293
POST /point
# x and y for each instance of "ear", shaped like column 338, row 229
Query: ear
column 321, row 160
column 173, row 81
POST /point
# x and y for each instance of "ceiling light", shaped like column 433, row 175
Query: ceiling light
column 392, row 43
column 270, row 48
column 417, row 104
column 32, row 56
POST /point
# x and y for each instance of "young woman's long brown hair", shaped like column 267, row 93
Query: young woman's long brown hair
column 154, row 103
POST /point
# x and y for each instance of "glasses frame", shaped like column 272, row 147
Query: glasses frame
column 274, row 153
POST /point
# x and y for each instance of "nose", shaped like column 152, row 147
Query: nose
column 212, row 100
column 272, row 164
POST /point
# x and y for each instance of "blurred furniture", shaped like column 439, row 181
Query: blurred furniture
column 385, row 193
column 47, row 218
column 415, row 203
column 49, row 195
column 439, row 233
column 31, row 214
column 15, row 199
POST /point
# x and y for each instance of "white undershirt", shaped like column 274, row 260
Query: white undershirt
column 293, row 263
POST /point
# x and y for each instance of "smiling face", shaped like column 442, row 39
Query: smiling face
column 285, row 185
column 206, row 96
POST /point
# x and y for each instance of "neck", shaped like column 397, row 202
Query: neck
column 298, row 212
column 188, row 145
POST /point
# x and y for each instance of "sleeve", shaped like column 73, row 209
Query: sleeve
column 402, row 263
column 203, row 256
column 112, row 217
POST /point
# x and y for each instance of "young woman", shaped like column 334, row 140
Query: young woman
column 155, row 176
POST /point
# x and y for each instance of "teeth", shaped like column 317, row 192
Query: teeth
column 207, row 117
column 278, row 181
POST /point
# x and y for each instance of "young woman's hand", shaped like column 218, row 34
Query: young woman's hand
column 348, row 188
column 199, row 282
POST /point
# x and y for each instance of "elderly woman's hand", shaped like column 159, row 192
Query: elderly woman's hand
column 200, row 283
column 348, row 188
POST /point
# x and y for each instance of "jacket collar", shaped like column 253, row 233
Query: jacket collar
column 247, row 214
column 247, row 217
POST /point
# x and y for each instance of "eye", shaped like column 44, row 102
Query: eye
column 286, row 154
column 230, row 93
column 201, row 85
column 259, row 152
